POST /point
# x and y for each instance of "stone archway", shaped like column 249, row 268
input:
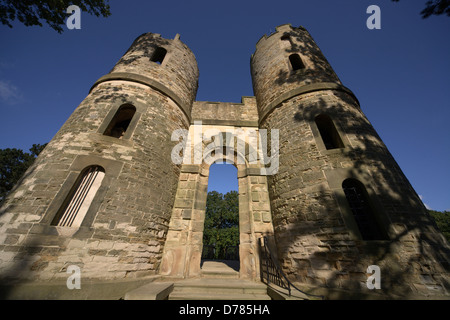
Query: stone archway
column 184, row 243
column 221, row 229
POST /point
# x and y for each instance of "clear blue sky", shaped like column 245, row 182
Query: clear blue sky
column 400, row 73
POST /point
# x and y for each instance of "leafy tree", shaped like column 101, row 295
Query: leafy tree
column 443, row 221
column 435, row 7
column 13, row 164
column 221, row 222
column 53, row 12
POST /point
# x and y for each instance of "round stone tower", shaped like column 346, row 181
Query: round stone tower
column 340, row 202
column 100, row 195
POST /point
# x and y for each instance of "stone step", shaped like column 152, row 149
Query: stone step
column 210, row 296
column 220, row 269
column 218, row 289
column 221, row 264
column 220, row 274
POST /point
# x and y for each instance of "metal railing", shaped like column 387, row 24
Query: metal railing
column 209, row 251
column 272, row 272
column 228, row 253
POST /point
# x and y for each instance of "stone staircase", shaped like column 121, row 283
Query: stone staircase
column 218, row 289
column 219, row 281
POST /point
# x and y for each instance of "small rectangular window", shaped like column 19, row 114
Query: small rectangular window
column 158, row 55
column 296, row 62
column 328, row 132
column 120, row 122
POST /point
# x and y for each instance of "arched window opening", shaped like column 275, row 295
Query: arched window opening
column 120, row 122
column 364, row 216
column 158, row 55
column 296, row 62
column 80, row 198
column 328, row 132
column 221, row 230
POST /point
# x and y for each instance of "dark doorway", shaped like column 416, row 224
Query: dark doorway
column 364, row 215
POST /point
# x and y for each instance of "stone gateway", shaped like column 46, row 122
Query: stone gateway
column 106, row 196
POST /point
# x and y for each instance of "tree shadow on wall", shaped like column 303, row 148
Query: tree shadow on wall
column 416, row 257
column 414, row 261
column 317, row 70
column 142, row 48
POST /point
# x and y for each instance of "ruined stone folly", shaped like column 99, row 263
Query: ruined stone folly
column 120, row 191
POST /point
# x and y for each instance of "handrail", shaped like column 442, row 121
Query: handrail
column 274, row 273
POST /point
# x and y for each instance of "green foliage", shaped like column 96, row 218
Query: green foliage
column 221, row 222
column 435, row 7
column 13, row 164
column 53, row 12
column 443, row 221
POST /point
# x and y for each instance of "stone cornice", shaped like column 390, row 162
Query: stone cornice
column 133, row 77
column 302, row 90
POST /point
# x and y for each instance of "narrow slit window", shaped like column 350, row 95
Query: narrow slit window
column 120, row 122
column 328, row 132
column 296, row 62
column 364, row 216
column 158, row 55
column 81, row 197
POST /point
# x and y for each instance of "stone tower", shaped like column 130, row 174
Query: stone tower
column 339, row 201
column 108, row 197
column 101, row 193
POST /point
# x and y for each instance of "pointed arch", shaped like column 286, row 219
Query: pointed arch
column 184, row 259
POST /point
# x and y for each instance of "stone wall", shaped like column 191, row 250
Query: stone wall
column 177, row 75
column 244, row 114
column 272, row 74
column 184, row 245
column 124, row 230
column 318, row 240
column 126, row 235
